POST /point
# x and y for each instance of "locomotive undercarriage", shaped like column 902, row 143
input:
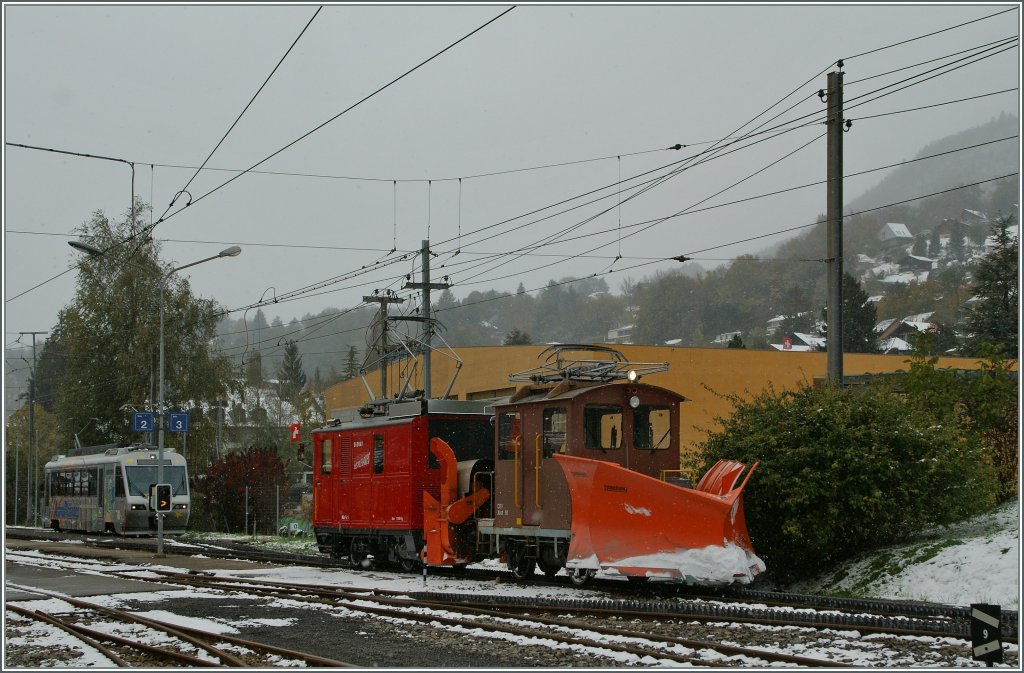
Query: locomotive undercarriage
column 367, row 548
column 544, row 549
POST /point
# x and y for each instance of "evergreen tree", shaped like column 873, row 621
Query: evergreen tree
column 735, row 342
column 993, row 320
column 291, row 377
column 351, row 364
column 859, row 318
column 254, row 370
column 516, row 338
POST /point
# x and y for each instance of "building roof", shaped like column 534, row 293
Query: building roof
column 891, row 230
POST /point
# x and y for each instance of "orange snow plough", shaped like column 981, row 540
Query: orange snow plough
column 441, row 517
column 640, row 526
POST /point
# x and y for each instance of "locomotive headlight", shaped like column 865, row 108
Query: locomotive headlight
column 632, row 375
column 634, row 401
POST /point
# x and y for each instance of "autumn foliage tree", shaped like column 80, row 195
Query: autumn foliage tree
column 222, row 491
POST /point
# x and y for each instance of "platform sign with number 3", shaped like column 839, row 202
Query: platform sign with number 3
column 177, row 422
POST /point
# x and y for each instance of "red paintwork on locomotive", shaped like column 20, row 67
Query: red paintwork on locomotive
column 353, row 495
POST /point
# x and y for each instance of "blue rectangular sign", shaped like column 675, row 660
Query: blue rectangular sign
column 142, row 421
column 177, row 422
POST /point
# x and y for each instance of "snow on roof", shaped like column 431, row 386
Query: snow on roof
column 891, row 230
column 875, row 298
column 810, row 339
column 884, row 325
column 919, row 317
column 795, row 348
column 673, row 342
column 907, row 277
column 895, row 344
column 888, row 267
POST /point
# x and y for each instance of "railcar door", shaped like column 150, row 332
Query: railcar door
column 508, row 504
column 539, row 470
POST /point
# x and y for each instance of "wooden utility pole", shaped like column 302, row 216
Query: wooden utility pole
column 428, row 326
column 382, row 341
column 32, row 505
column 834, row 205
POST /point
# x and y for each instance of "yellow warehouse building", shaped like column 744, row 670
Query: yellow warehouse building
column 702, row 375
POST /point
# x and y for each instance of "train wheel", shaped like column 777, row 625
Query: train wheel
column 408, row 564
column 519, row 563
column 357, row 555
column 581, row 576
column 549, row 568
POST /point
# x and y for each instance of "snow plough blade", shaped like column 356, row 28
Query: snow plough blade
column 641, row 526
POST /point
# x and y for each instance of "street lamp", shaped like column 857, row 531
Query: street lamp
column 91, row 250
column 233, row 251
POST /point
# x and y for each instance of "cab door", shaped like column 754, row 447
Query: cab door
column 508, row 470
column 540, row 471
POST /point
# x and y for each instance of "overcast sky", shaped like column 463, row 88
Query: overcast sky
column 605, row 87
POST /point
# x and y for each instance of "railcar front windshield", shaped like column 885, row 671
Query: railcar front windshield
column 141, row 476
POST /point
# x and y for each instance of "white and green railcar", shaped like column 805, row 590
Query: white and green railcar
column 105, row 489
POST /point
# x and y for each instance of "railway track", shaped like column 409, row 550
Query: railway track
column 727, row 619
column 885, row 615
column 565, row 630
column 182, row 645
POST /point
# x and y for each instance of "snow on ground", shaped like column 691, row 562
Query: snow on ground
column 975, row 561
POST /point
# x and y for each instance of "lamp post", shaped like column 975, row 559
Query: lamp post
column 233, row 251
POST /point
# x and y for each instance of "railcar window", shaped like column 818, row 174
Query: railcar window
column 652, row 427
column 141, row 476
column 509, row 431
column 469, row 439
column 378, row 454
column 118, row 482
column 325, row 457
column 602, row 426
column 554, row 431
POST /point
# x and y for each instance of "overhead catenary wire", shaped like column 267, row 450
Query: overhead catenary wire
column 147, row 231
column 245, row 109
column 460, row 236
column 348, row 109
column 931, row 34
column 649, row 223
column 737, row 242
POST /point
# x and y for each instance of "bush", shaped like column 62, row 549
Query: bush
column 845, row 471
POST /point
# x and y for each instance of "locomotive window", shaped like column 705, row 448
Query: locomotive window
column 509, row 430
column 554, row 431
column 325, row 457
column 602, row 426
column 652, row 427
column 378, row 454
column 470, row 439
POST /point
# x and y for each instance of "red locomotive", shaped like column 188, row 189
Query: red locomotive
column 577, row 470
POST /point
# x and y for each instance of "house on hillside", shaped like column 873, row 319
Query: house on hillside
column 894, row 335
column 799, row 342
column 620, row 335
column 724, row 338
column 916, row 263
column 895, row 232
column 969, row 216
